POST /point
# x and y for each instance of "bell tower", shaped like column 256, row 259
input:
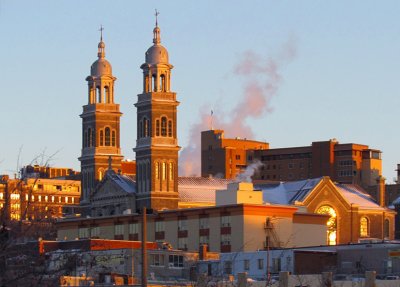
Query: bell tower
column 100, row 126
column 157, row 143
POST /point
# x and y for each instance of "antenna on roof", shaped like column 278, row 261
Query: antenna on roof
column 212, row 127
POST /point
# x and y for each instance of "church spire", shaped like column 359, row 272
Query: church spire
column 156, row 31
column 101, row 51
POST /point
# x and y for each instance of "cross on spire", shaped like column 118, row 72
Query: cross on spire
column 156, row 14
column 101, row 32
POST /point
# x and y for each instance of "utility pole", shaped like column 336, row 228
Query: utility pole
column 144, row 247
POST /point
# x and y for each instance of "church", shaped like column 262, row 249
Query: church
column 225, row 215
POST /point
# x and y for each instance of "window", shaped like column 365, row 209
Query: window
column 228, row 267
column 113, row 138
column 107, row 136
column 164, row 171
column 160, row 226
column 157, row 259
column 237, row 156
column 182, row 224
column 246, row 264
column 164, row 126
column 95, row 231
column 225, row 221
column 260, row 263
column 205, row 239
column 157, row 128
column 225, row 239
column 146, row 129
column 364, row 232
column 134, row 228
column 157, row 170
column 290, row 165
column 171, row 171
column 386, row 228
column 276, row 265
column 101, row 138
column 182, row 243
column 176, row 261
column 52, row 198
column 170, row 129
column 83, row 232
column 331, row 224
column 39, row 198
column 204, row 223
column 119, row 229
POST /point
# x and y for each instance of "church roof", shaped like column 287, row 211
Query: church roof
column 356, row 195
column 126, row 183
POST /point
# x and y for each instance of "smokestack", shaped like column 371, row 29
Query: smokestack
column 381, row 190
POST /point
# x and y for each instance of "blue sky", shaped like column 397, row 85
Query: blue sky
column 341, row 81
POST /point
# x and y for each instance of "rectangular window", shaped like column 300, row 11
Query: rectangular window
column 260, row 263
column 246, row 264
column 204, row 223
column 83, row 232
column 157, row 259
column 228, row 267
column 237, row 157
column 176, row 261
column 182, row 224
column 134, row 228
column 119, row 229
column 182, row 243
column 276, row 265
column 225, row 239
column 160, row 226
column 225, row 221
column 95, row 231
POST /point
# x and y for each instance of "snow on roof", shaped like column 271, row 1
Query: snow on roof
column 356, row 195
column 287, row 192
column 200, row 189
column 124, row 182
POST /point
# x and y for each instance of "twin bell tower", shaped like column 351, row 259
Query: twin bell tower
column 157, row 143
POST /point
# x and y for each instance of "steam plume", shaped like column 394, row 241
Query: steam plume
column 248, row 172
column 261, row 78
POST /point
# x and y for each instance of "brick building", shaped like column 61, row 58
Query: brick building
column 344, row 163
column 226, row 158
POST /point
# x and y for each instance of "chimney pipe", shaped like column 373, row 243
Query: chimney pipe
column 381, row 190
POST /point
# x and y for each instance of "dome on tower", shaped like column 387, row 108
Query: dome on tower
column 157, row 54
column 101, row 66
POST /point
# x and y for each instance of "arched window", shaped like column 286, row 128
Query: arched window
column 146, row 127
column 90, row 139
column 157, row 128
column 364, row 227
column 331, row 224
column 164, row 126
column 98, row 94
column 101, row 173
column 107, row 136
column 171, row 171
column 107, row 94
column 141, row 129
column 170, row 128
column 113, row 138
column 146, row 84
column 93, row 138
column 386, row 229
column 101, row 138
column 162, row 83
column 154, row 83
column 157, row 170
column 85, row 139
column 164, row 171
